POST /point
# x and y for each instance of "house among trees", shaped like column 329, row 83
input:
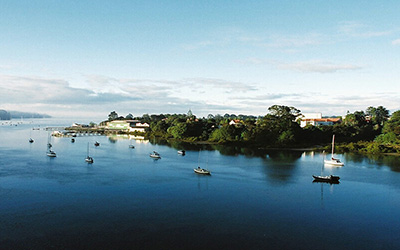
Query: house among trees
column 127, row 125
column 235, row 122
column 315, row 119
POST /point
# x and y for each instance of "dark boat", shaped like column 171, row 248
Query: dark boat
column 97, row 143
column 31, row 140
column 182, row 152
column 72, row 140
column 329, row 178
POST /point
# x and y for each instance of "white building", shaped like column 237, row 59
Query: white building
column 315, row 119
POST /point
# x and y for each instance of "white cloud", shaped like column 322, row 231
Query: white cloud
column 358, row 29
column 396, row 42
column 304, row 66
column 57, row 98
column 104, row 94
column 227, row 86
column 290, row 41
column 316, row 66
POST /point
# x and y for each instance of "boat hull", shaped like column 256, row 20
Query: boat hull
column 334, row 163
column 89, row 160
column 155, row 156
column 202, row 171
column 330, row 178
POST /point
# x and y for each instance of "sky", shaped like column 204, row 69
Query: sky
column 84, row 59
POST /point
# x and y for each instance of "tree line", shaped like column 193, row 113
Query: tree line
column 369, row 131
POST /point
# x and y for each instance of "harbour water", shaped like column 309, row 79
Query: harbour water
column 127, row 200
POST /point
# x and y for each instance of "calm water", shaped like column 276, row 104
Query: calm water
column 126, row 200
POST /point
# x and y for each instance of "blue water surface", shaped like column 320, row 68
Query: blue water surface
column 127, row 200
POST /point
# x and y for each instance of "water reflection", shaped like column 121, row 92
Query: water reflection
column 331, row 189
column 378, row 161
column 280, row 166
column 284, row 156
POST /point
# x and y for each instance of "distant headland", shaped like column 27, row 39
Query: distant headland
column 8, row 115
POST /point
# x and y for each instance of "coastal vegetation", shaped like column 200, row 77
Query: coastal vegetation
column 8, row 115
column 369, row 131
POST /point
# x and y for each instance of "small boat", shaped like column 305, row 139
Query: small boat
column 51, row 153
column 329, row 178
column 31, row 140
column 97, row 143
column 72, row 140
column 130, row 145
column 333, row 161
column 181, row 152
column 199, row 170
column 88, row 159
column 155, row 155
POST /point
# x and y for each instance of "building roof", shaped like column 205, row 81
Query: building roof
column 323, row 120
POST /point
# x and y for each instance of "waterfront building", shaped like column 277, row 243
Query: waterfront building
column 127, row 126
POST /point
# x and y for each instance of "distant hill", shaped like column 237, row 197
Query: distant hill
column 4, row 115
column 7, row 115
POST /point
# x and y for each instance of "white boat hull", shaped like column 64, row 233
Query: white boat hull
column 334, row 163
column 51, row 154
column 202, row 171
column 89, row 160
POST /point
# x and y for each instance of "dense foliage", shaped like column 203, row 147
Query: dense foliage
column 370, row 131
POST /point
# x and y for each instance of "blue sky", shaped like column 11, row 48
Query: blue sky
column 87, row 58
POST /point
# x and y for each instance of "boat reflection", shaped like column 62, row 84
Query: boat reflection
column 327, row 181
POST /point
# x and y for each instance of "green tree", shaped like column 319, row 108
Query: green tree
column 178, row 131
column 285, row 112
column 356, row 119
column 279, row 126
column 113, row 116
column 378, row 115
column 393, row 125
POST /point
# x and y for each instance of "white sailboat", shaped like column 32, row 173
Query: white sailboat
column 88, row 158
column 155, row 155
column 50, row 153
column 333, row 161
column 200, row 170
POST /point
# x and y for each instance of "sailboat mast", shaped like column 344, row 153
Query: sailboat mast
column 199, row 158
column 333, row 144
